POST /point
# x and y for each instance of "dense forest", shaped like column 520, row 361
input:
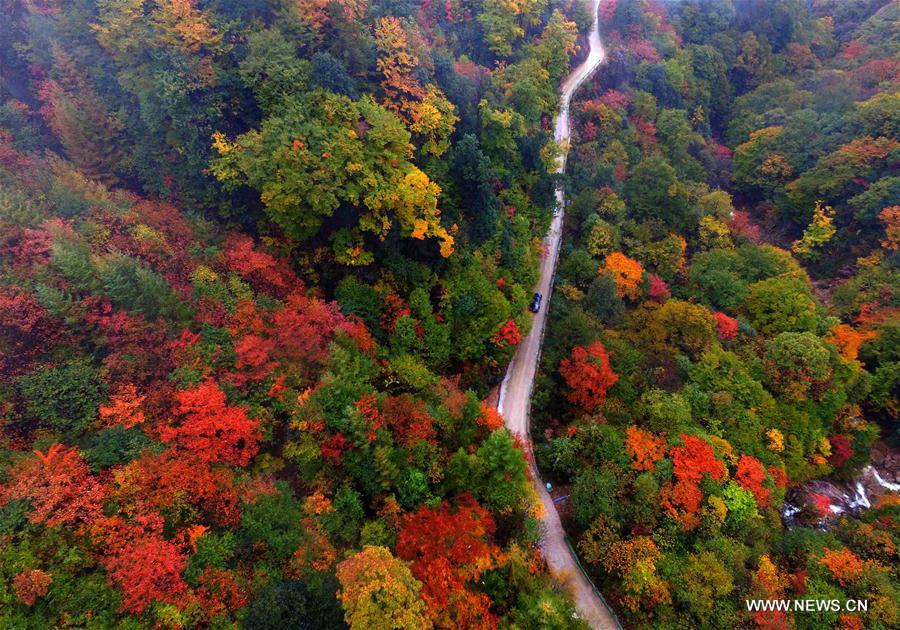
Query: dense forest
column 387, row 148
column 260, row 263
column 263, row 264
column 725, row 324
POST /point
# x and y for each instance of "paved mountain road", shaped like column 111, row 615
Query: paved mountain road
column 515, row 392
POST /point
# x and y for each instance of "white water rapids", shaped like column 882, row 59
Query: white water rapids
column 844, row 499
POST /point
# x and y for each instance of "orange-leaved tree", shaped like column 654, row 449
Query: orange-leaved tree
column 627, row 272
column 644, row 448
column 449, row 549
column 844, row 565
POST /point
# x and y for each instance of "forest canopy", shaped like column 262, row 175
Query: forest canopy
column 260, row 264
column 727, row 289
column 264, row 263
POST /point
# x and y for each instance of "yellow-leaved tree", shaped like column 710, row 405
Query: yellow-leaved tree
column 379, row 591
column 817, row 234
column 326, row 152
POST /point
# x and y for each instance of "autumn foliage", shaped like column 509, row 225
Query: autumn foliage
column 378, row 591
column 30, row 585
column 211, row 429
column 397, row 63
column 490, row 417
column 750, row 475
column 658, row 290
column 147, row 570
column 844, row 565
column 849, row 340
column 644, row 448
column 219, row 593
column 508, row 335
column 627, row 273
column 449, row 548
column 123, row 408
column 58, row 485
column 841, row 450
column 408, row 419
column 635, row 561
column 692, row 462
column 890, row 218
column 726, row 327
column 589, row 375
column 175, row 483
column 695, row 459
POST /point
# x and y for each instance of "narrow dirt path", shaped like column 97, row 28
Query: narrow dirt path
column 515, row 392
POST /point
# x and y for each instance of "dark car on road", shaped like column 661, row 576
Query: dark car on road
column 536, row 303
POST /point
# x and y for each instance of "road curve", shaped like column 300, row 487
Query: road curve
column 515, row 391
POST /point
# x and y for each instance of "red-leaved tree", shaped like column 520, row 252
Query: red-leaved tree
column 408, row 419
column 172, row 482
column 589, row 376
column 211, row 429
column 304, row 327
column 147, row 570
column 692, row 462
column 696, row 459
column 508, row 335
column 123, row 408
column 58, row 485
column 31, row 584
column 750, row 475
column 841, row 450
column 726, row 327
column 261, row 269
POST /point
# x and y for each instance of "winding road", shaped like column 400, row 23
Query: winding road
column 515, row 391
